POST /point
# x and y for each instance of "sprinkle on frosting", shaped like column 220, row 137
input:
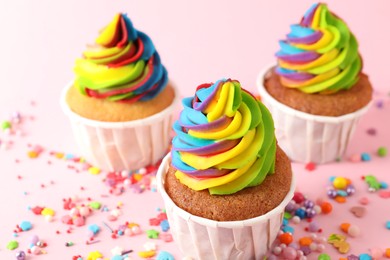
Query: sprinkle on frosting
column 123, row 65
column 320, row 54
column 224, row 139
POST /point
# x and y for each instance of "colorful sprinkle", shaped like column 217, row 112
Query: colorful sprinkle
column 48, row 212
column 25, row 225
column 326, row 207
column 146, row 254
column 21, row 255
column 286, row 238
column 358, row 211
column 94, row 255
column 387, row 252
column 152, row 233
column 12, row 245
column 310, row 166
column 94, row 229
column 365, row 257
column 324, row 257
column 95, row 205
column 94, row 170
column 388, row 224
column 164, row 255
column 117, row 250
column 382, row 151
column 6, row 125
column 366, row 157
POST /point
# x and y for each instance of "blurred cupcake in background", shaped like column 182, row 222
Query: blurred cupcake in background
column 317, row 91
column 121, row 101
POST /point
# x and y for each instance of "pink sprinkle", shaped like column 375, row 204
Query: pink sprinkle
column 166, row 237
column 154, row 222
column 364, row 201
column 92, row 242
column 371, row 131
column 310, row 166
column 355, row 158
column 384, row 194
column 38, row 148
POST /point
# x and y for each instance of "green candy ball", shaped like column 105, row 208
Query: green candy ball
column 382, row 151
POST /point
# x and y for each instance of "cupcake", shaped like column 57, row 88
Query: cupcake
column 121, row 102
column 226, row 182
column 317, row 91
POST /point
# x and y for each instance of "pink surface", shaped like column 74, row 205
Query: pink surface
column 199, row 42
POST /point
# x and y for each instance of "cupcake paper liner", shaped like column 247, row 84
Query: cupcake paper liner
column 309, row 138
column 117, row 146
column 201, row 238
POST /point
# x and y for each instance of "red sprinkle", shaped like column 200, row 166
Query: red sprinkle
column 310, row 166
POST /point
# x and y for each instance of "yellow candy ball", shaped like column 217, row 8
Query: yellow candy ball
column 340, row 183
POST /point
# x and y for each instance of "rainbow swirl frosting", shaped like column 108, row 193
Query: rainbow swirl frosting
column 123, row 65
column 320, row 55
column 224, row 139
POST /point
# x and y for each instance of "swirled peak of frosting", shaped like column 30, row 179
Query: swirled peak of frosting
column 224, row 139
column 123, row 65
column 320, row 54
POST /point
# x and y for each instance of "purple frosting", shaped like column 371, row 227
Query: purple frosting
column 306, row 20
column 211, row 172
column 217, row 147
column 200, row 106
column 296, row 76
column 299, row 57
column 222, row 121
column 312, row 38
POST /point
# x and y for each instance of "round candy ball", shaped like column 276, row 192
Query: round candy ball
column 376, row 253
column 298, row 197
column 301, row 213
column 289, row 253
column 286, row 238
column 332, row 193
column 21, row 255
column 340, row 183
column 353, row 231
column 382, row 151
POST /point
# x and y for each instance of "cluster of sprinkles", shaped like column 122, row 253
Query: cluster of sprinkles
column 11, row 127
column 300, row 211
column 341, row 189
column 79, row 210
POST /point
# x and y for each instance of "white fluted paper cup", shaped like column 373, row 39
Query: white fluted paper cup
column 309, row 138
column 201, row 238
column 117, row 146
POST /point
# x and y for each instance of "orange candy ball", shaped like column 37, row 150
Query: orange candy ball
column 344, row 227
column 286, row 238
column 387, row 252
column 326, row 207
column 305, row 241
column 340, row 199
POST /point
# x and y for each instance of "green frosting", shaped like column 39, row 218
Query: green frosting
column 320, row 55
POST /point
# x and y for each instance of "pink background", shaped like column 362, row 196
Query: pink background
column 199, row 41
